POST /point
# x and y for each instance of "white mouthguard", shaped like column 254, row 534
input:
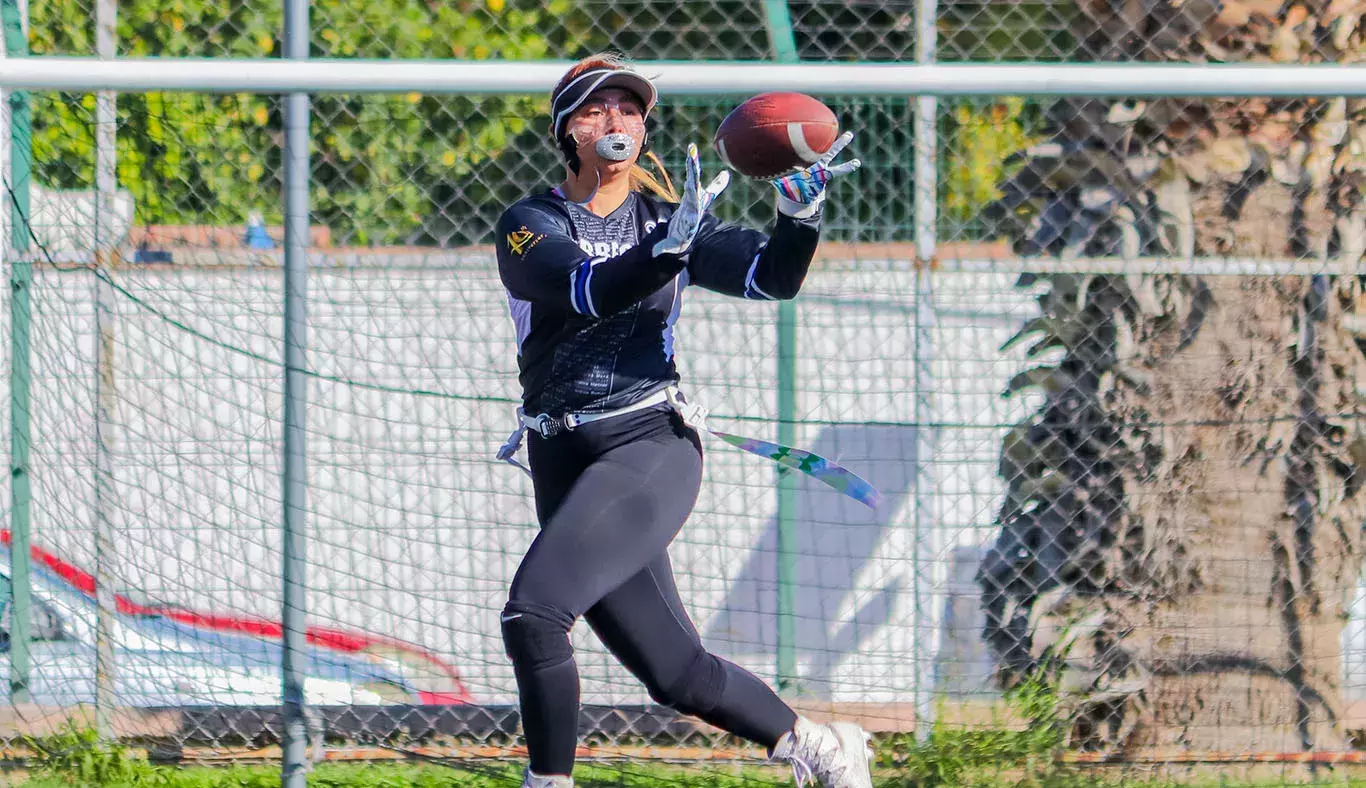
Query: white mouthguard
column 615, row 147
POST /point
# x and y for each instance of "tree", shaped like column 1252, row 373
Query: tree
column 385, row 168
column 1182, row 529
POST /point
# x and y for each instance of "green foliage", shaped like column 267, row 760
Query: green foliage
column 213, row 159
column 981, row 138
column 1021, row 31
column 438, row 169
column 999, row 755
column 997, row 758
column 75, row 756
column 121, row 771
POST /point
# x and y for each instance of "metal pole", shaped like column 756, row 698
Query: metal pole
column 924, row 544
column 21, row 282
column 926, row 213
column 787, row 499
column 295, row 757
column 926, row 141
column 106, row 400
column 733, row 78
column 779, row 23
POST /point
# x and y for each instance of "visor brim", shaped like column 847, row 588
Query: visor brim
column 578, row 91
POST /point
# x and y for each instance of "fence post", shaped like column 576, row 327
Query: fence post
column 106, row 399
column 926, row 215
column 21, row 282
column 295, row 764
column 779, row 22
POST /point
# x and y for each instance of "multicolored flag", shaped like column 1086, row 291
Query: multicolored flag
column 814, row 465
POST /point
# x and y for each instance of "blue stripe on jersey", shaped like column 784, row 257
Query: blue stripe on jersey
column 578, row 287
column 588, row 286
column 752, row 289
column 680, row 283
column 521, row 319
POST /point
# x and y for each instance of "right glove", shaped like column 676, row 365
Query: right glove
column 801, row 193
column 687, row 218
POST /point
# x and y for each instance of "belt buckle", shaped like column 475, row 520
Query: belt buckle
column 693, row 414
column 548, row 426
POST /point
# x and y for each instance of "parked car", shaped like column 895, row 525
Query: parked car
column 171, row 656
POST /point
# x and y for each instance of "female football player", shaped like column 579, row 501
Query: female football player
column 595, row 272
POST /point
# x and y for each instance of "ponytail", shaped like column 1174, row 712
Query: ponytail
column 661, row 186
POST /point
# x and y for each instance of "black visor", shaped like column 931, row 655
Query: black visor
column 578, row 91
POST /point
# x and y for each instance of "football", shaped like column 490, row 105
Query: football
column 773, row 134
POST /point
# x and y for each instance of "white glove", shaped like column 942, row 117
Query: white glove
column 801, row 193
column 687, row 218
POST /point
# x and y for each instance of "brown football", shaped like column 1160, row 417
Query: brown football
column 774, row 133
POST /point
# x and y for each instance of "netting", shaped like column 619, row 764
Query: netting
column 1115, row 421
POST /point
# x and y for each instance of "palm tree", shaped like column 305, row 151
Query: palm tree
column 1182, row 530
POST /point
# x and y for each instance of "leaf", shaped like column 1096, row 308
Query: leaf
column 1285, row 42
column 1051, row 380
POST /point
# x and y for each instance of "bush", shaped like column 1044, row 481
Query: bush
column 377, row 159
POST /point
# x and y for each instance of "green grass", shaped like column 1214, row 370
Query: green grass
column 983, row 758
column 414, row 776
column 949, row 766
column 651, row 775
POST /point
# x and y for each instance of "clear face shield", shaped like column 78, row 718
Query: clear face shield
column 591, row 122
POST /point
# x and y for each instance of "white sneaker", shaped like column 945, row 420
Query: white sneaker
column 533, row 780
column 837, row 754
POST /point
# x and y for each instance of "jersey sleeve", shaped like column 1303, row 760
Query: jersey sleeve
column 750, row 264
column 539, row 261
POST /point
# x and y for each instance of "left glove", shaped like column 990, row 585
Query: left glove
column 801, row 193
column 687, row 218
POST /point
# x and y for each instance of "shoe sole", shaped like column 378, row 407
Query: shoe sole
column 854, row 740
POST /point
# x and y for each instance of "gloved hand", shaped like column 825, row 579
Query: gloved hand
column 687, row 218
column 801, row 193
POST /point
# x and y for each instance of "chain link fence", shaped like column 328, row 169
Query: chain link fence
column 1115, row 422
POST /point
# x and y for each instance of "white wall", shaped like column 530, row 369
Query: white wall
column 416, row 529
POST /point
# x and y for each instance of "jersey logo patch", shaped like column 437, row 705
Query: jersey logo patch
column 520, row 240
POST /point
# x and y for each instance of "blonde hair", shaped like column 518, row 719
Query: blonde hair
column 660, row 185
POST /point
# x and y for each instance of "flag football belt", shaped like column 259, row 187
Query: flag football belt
column 695, row 416
column 548, row 426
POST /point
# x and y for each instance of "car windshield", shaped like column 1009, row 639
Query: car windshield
column 47, row 624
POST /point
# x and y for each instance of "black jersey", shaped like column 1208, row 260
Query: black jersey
column 594, row 309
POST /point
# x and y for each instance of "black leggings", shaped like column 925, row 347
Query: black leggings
column 611, row 496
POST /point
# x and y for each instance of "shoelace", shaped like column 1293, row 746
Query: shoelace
column 801, row 773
